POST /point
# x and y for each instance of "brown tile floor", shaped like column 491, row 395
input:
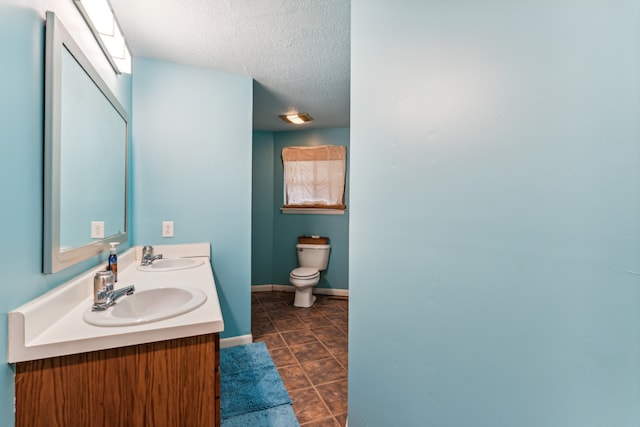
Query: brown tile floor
column 309, row 348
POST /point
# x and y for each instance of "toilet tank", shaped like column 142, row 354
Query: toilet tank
column 314, row 256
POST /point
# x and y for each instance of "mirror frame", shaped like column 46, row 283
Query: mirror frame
column 54, row 257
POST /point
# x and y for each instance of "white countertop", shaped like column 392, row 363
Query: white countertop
column 52, row 324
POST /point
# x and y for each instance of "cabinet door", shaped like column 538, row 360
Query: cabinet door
column 167, row 383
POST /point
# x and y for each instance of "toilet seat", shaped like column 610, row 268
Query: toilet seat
column 305, row 273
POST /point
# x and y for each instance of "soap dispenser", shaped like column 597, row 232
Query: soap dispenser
column 113, row 261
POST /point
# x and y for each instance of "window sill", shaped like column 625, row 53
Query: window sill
column 313, row 211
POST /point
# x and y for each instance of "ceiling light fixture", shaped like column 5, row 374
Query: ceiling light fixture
column 104, row 26
column 297, row 118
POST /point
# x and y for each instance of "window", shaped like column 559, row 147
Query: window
column 314, row 177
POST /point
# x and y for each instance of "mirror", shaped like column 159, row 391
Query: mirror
column 85, row 152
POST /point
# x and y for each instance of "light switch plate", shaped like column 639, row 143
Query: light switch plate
column 167, row 228
column 97, row 229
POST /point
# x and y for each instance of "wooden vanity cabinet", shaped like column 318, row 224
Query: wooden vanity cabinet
column 167, row 383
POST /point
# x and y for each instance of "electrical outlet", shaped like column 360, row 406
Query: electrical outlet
column 167, row 228
column 97, row 229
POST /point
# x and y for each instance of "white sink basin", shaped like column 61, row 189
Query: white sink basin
column 171, row 264
column 147, row 306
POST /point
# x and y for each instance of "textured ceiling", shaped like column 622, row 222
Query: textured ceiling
column 297, row 51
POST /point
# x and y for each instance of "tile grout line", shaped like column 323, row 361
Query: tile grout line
column 268, row 309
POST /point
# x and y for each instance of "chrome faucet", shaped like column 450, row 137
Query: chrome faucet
column 147, row 255
column 104, row 296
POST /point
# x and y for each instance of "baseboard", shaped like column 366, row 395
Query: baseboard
column 330, row 291
column 261, row 288
column 290, row 288
column 283, row 288
column 234, row 341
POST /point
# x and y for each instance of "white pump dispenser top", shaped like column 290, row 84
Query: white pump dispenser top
column 113, row 247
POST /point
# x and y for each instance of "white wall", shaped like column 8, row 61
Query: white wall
column 496, row 287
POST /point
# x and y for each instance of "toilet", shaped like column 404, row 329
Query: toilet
column 312, row 258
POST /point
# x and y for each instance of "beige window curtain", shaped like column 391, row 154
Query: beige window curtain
column 314, row 176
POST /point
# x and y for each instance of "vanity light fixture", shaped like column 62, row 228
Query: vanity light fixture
column 296, row 118
column 105, row 28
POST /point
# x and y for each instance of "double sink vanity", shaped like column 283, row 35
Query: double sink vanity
column 152, row 358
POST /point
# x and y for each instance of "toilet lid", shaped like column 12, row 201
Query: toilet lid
column 305, row 272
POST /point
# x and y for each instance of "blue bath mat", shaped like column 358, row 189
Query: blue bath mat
column 245, row 358
column 280, row 416
column 250, row 382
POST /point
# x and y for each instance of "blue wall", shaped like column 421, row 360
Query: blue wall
column 262, row 210
column 192, row 165
column 496, row 287
column 21, row 147
column 285, row 228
